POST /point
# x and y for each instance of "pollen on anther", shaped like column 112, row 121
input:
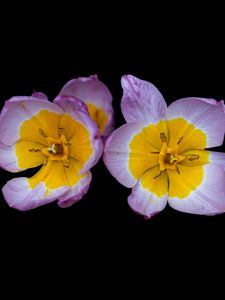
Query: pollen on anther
column 192, row 157
column 180, row 139
column 34, row 150
column 162, row 137
column 60, row 130
column 42, row 132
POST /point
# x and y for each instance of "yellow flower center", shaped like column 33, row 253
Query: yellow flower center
column 169, row 157
column 58, row 149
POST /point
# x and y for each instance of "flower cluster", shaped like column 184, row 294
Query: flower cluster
column 161, row 152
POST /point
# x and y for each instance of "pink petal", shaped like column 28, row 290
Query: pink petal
column 90, row 89
column 116, row 153
column 10, row 162
column 217, row 158
column 8, row 159
column 18, row 194
column 141, row 101
column 145, row 202
column 203, row 115
column 76, row 192
column 208, row 100
column 39, row 95
column 16, row 111
column 208, row 198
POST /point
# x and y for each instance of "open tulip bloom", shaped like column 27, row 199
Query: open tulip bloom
column 160, row 152
column 60, row 136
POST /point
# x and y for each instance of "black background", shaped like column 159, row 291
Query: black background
column 182, row 55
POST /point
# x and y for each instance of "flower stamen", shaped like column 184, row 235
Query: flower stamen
column 169, row 157
column 158, row 175
column 42, row 133
column 57, row 150
column 162, row 137
column 180, row 140
column 192, row 157
column 60, row 131
column 66, row 163
column 34, row 150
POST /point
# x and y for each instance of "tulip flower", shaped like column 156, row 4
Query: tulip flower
column 162, row 152
column 60, row 137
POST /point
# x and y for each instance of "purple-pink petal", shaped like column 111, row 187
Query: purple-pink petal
column 92, row 90
column 208, row 198
column 203, row 115
column 76, row 192
column 141, row 102
column 145, row 203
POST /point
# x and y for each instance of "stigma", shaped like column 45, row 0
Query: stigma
column 170, row 158
column 56, row 149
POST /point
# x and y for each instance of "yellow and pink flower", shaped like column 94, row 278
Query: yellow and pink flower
column 162, row 151
column 60, row 136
